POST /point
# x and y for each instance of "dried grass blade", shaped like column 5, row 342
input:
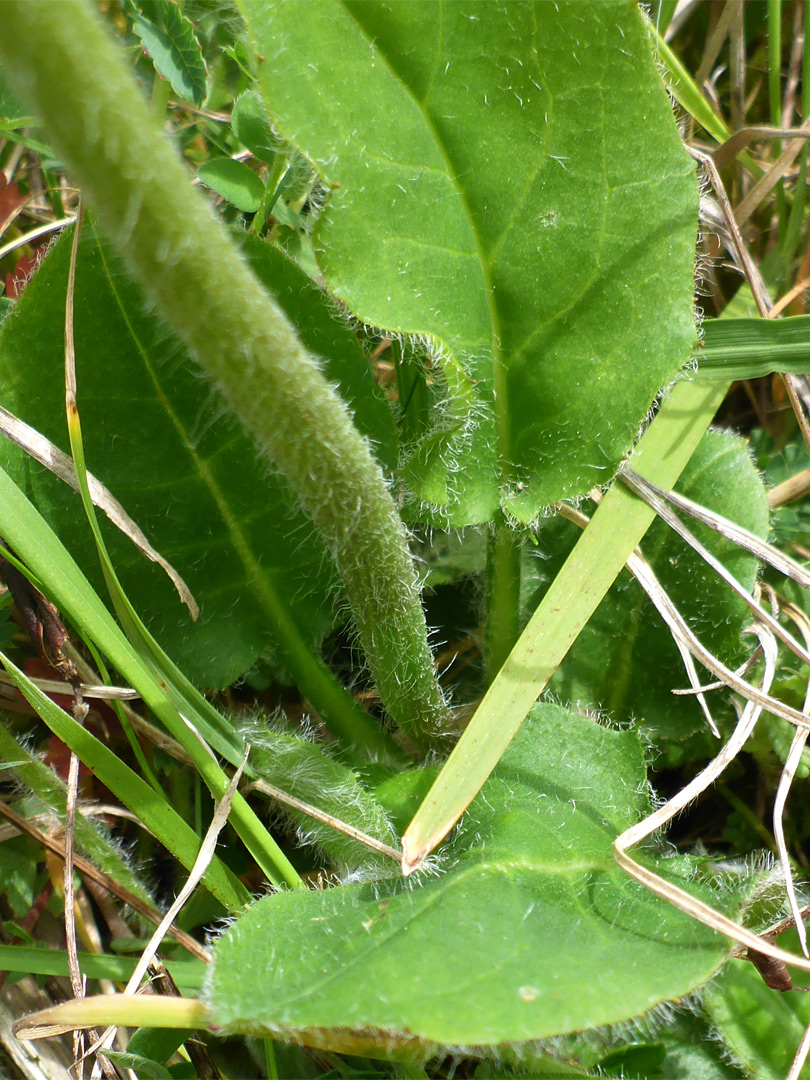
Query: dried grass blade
column 764, row 186
column 795, row 1070
column 646, row 491
column 678, row 627
column 736, row 533
column 34, row 234
column 681, row 899
column 61, row 465
column 100, row 693
column 785, row 781
column 795, row 487
column 643, row 572
column 738, row 247
column 325, row 819
column 201, row 864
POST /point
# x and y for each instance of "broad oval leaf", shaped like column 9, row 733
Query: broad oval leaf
column 533, row 931
column 167, row 446
column 507, row 183
column 234, row 181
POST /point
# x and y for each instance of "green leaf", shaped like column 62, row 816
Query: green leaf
column 751, row 348
column 188, row 974
column 147, row 1069
column 625, row 659
column 168, row 447
column 12, row 113
column 532, row 931
column 539, row 1065
column 304, row 769
column 616, row 528
column 156, row 814
column 759, row 1027
column 169, row 38
column 489, row 179
column 251, row 126
column 47, row 792
column 18, row 874
column 234, row 181
column 157, row 1043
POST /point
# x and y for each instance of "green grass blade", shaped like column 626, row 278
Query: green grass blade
column 30, row 536
column 688, row 95
column 188, row 974
column 615, row 530
column 37, row 777
column 156, row 814
column 750, row 348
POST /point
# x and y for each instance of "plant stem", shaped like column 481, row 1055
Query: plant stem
column 775, row 100
column 502, row 618
column 61, row 59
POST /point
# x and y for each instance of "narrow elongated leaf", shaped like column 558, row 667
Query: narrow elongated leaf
column 92, row 838
column 156, row 814
column 625, row 659
column 751, row 348
column 188, row 974
column 507, row 182
column 305, row 770
column 169, row 449
column 533, row 930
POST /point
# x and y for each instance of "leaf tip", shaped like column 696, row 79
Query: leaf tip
column 413, row 855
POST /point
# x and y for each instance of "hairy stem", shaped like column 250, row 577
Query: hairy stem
column 61, row 59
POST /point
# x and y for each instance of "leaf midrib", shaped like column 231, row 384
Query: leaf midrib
column 500, row 411
column 437, row 896
column 256, row 575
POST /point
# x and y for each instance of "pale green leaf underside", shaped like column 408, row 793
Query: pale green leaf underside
column 533, row 930
column 507, row 181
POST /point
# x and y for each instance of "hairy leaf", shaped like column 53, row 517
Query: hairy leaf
column 169, row 38
column 305, row 770
column 532, row 931
column 747, row 1016
column 167, row 446
column 507, row 183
